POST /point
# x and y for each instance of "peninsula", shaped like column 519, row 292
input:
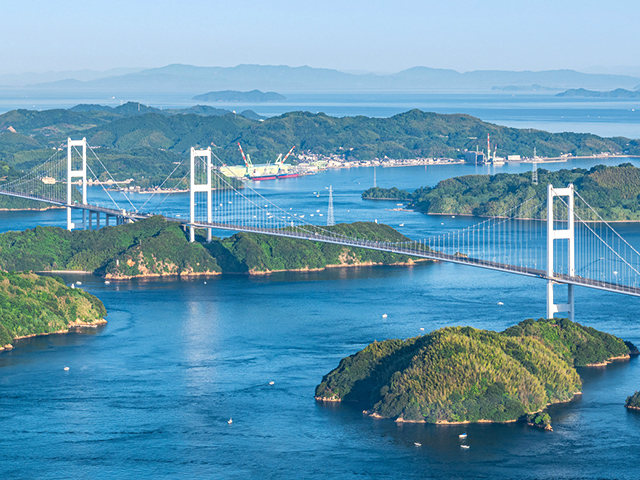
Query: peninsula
column 461, row 374
column 33, row 305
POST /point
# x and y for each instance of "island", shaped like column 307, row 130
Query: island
column 617, row 93
column 155, row 247
column 33, row 305
column 254, row 96
column 614, row 192
column 462, row 374
column 633, row 402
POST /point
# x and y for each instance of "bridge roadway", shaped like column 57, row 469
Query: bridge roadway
column 370, row 245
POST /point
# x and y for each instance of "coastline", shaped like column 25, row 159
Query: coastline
column 71, row 327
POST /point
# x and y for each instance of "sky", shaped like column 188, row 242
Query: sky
column 348, row 35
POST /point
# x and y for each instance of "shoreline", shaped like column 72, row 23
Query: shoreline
column 72, row 327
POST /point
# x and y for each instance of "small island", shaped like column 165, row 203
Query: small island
column 617, row 93
column 254, row 96
column 633, row 402
column 462, row 375
column 32, row 305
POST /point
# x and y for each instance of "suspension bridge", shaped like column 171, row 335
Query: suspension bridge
column 560, row 239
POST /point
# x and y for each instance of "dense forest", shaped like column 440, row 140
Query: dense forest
column 614, row 192
column 136, row 141
column 154, row 247
column 459, row 374
column 32, row 304
column 633, row 401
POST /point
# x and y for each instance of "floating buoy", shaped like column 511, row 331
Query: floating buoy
column 205, row 283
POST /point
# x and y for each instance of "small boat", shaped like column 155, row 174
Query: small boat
column 462, row 435
column 205, row 283
column 78, row 283
column 271, row 382
column 465, row 447
column 66, row 369
column 422, row 329
column 500, row 303
column 417, row 444
column 453, row 216
column 401, row 225
column 230, row 421
column 384, row 315
column 107, row 282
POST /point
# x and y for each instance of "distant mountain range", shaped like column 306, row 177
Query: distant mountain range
column 192, row 80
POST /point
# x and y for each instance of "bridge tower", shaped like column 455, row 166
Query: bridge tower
column 71, row 174
column 200, row 187
column 560, row 234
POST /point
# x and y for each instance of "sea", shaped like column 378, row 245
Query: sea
column 150, row 394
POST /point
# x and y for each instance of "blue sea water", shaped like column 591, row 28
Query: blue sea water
column 150, row 394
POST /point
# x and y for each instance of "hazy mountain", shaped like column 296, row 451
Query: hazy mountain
column 22, row 79
column 191, row 80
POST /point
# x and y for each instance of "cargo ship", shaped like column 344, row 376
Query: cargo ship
column 268, row 171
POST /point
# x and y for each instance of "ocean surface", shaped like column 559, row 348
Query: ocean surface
column 149, row 394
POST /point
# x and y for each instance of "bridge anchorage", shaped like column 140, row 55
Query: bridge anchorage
column 576, row 247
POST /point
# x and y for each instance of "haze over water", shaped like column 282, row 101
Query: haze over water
column 149, row 395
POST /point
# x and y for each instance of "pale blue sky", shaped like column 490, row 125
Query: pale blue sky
column 358, row 35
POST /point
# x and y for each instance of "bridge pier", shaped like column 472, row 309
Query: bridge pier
column 560, row 234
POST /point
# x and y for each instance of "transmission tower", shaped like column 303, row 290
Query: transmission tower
column 330, row 220
column 374, row 177
column 534, row 168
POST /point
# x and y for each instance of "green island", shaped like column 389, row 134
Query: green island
column 462, row 374
column 614, row 192
column 633, row 401
column 157, row 247
column 33, row 305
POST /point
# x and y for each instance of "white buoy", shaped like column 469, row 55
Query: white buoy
column 66, row 369
column 205, row 283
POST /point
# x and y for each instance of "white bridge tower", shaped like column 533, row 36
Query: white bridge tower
column 71, row 174
column 200, row 187
column 560, row 234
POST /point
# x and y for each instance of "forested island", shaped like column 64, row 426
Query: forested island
column 157, row 247
column 617, row 93
column 633, row 401
column 461, row 374
column 614, row 192
column 35, row 305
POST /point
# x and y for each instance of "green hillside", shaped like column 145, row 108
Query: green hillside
column 161, row 137
column 614, row 192
column 155, row 246
column 459, row 374
column 633, row 401
column 31, row 304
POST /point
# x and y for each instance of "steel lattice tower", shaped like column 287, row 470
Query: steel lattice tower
column 330, row 219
